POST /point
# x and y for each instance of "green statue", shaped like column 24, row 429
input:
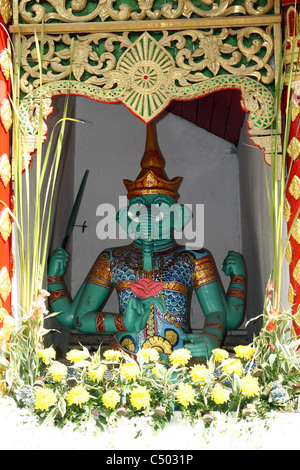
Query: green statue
column 154, row 276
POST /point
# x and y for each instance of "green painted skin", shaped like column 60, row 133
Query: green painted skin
column 222, row 310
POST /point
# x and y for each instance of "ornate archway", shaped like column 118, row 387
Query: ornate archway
column 145, row 54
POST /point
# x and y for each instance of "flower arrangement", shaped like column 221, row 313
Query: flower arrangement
column 105, row 386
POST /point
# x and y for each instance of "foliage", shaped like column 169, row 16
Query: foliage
column 22, row 330
column 105, row 386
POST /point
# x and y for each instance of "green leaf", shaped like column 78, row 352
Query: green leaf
column 50, row 416
column 272, row 359
column 62, row 407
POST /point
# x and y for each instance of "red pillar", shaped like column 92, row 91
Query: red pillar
column 292, row 201
column 6, row 261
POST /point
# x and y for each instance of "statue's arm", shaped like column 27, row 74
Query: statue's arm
column 84, row 312
column 221, row 312
column 95, row 288
column 60, row 300
column 234, row 266
column 210, row 295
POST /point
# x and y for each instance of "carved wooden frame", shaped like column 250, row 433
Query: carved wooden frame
column 145, row 57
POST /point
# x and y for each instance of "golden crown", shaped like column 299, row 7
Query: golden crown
column 152, row 179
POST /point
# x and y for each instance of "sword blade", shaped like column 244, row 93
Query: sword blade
column 74, row 211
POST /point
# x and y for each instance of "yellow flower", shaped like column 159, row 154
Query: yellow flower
column 130, row 370
column 233, row 366
column 244, row 352
column 155, row 372
column 110, row 399
column 77, row 396
column 148, row 355
column 199, row 373
column 75, row 355
column 220, row 354
column 58, row 371
column 47, row 354
column 220, row 394
column 96, row 372
column 185, row 394
column 249, row 386
column 140, row 397
column 180, row 357
column 112, row 355
column 44, row 398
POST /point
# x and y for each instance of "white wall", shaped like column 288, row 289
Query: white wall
column 110, row 144
column 256, row 227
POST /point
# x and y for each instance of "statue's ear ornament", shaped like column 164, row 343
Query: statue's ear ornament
column 152, row 179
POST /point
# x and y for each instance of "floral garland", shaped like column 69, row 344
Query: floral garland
column 109, row 384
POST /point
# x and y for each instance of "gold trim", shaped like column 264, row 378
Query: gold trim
column 5, row 10
column 291, row 295
column 5, row 284
column 296, row 233
column 289, row 252
column 5, row 63
column 295, row 110
column 296, row 272
column 5, row 224
column 74, row 12
column 286, row 210
column 294, row 187
column 160, row 25
column 5, row 169
column 6, row 114
column 294, row 148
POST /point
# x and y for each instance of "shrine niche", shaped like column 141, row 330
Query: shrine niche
column 146, row 54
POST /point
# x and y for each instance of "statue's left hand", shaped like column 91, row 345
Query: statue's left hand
column 234, row 264
column 200, row 344
column 58, row 262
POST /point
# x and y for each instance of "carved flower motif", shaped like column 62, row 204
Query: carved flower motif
column 212, row 47
column 81, row 56
column 145, row 287
column 5, row 224
column 4, row 64
column 5, row 284
column 5, row 169
column 6, row 115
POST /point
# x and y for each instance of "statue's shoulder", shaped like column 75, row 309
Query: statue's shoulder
column 197, row 254
column 113, row 253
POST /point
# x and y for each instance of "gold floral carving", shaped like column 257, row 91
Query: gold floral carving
column 294, row 187
column 5, row 63
column 286, row 210
column 294, row 148
column 210, row 52
column 146, row 77
column 5, row 284
column 6, row 114
column 295, row 110
column 5, row 10
column 5, row 224
column 289, row 252
column 296, row 231
column 291, row 295
column 5, row 169
column 75, row 11
column 296, row 272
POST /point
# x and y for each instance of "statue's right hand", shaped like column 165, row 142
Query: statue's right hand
column 137, row 312
column 58, row 262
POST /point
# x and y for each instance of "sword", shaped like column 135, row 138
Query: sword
column 74, row 211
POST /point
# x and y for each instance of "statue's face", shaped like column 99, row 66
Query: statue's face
column 152, row 217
